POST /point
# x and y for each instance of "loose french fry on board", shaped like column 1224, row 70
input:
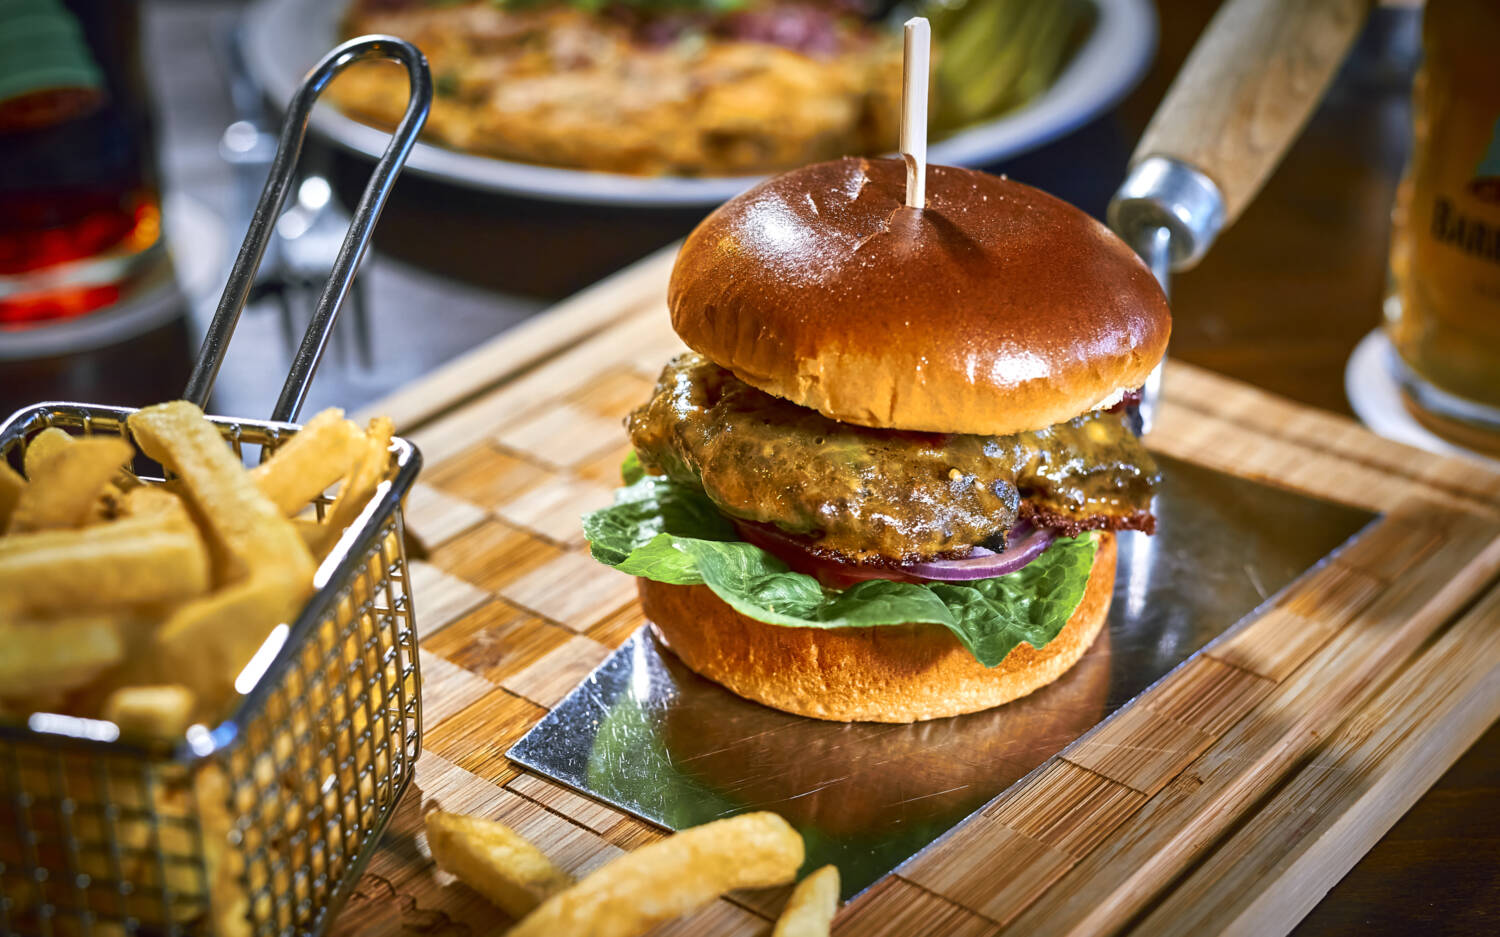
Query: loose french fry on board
column 809, row 911
column 671, row 877
column 494, row 860
column 312, row 460
column 124, row 562
column 67, row 484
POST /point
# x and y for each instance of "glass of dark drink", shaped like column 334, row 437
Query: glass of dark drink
column 80, row 217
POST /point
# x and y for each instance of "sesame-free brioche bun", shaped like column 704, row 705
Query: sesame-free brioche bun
column 892, row 673
column 996, row 309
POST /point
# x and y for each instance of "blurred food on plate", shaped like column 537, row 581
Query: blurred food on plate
column 994, row 56
column 697, row 87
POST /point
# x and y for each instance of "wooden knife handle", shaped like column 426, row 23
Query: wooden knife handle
column 1247, row 88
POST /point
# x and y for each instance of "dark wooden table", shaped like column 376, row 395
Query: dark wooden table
column 1281, row 302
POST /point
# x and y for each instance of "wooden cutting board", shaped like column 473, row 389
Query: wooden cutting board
column 1226, row 799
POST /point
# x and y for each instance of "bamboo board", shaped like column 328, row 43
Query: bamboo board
column 1226, row 799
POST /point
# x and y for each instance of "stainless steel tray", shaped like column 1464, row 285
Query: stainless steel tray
column 647, row 735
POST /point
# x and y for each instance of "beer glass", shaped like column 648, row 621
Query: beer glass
column 1443, row 310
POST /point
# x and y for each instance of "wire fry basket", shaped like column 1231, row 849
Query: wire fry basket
column 263, row 824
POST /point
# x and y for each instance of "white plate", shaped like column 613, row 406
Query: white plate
column 285, row 37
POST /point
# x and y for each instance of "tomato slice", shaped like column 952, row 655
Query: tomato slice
column 799, row 554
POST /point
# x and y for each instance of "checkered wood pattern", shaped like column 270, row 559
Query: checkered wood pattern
column 1143, row 823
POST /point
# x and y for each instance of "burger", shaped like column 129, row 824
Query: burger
column 884, row 483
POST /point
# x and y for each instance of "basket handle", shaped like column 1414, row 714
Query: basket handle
column 356, row 240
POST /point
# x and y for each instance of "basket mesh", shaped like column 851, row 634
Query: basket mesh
column 265, row 835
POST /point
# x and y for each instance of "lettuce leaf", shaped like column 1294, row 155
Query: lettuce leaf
column 671, row 533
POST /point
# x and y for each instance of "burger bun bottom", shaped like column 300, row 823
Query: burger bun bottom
column 891, row 673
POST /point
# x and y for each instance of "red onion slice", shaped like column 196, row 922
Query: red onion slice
column 1026, row 543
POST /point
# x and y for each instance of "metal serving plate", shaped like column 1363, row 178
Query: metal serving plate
column 649, row 736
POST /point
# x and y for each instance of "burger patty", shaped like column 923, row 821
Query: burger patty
column 869, row 495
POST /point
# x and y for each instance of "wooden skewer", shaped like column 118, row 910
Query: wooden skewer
column 914, row 71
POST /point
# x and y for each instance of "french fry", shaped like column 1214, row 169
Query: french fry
column 123, row 562
column 311, row 532
column 141, row 666
column 205, row 643
column 46, row 658
column 494, row 860
column 247, row 534
column 363, row 478
column 163, row 711
column 111, row 501
column 809, row 911
column 155, row 501
column 67, row 484
column 43, row 446
column 316, row 457
column 230, row 905
column 11, row 486
column 672, row 877
column 268, row 569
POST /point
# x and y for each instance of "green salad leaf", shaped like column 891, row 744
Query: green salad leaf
column 630, row 470
column 671, row 533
